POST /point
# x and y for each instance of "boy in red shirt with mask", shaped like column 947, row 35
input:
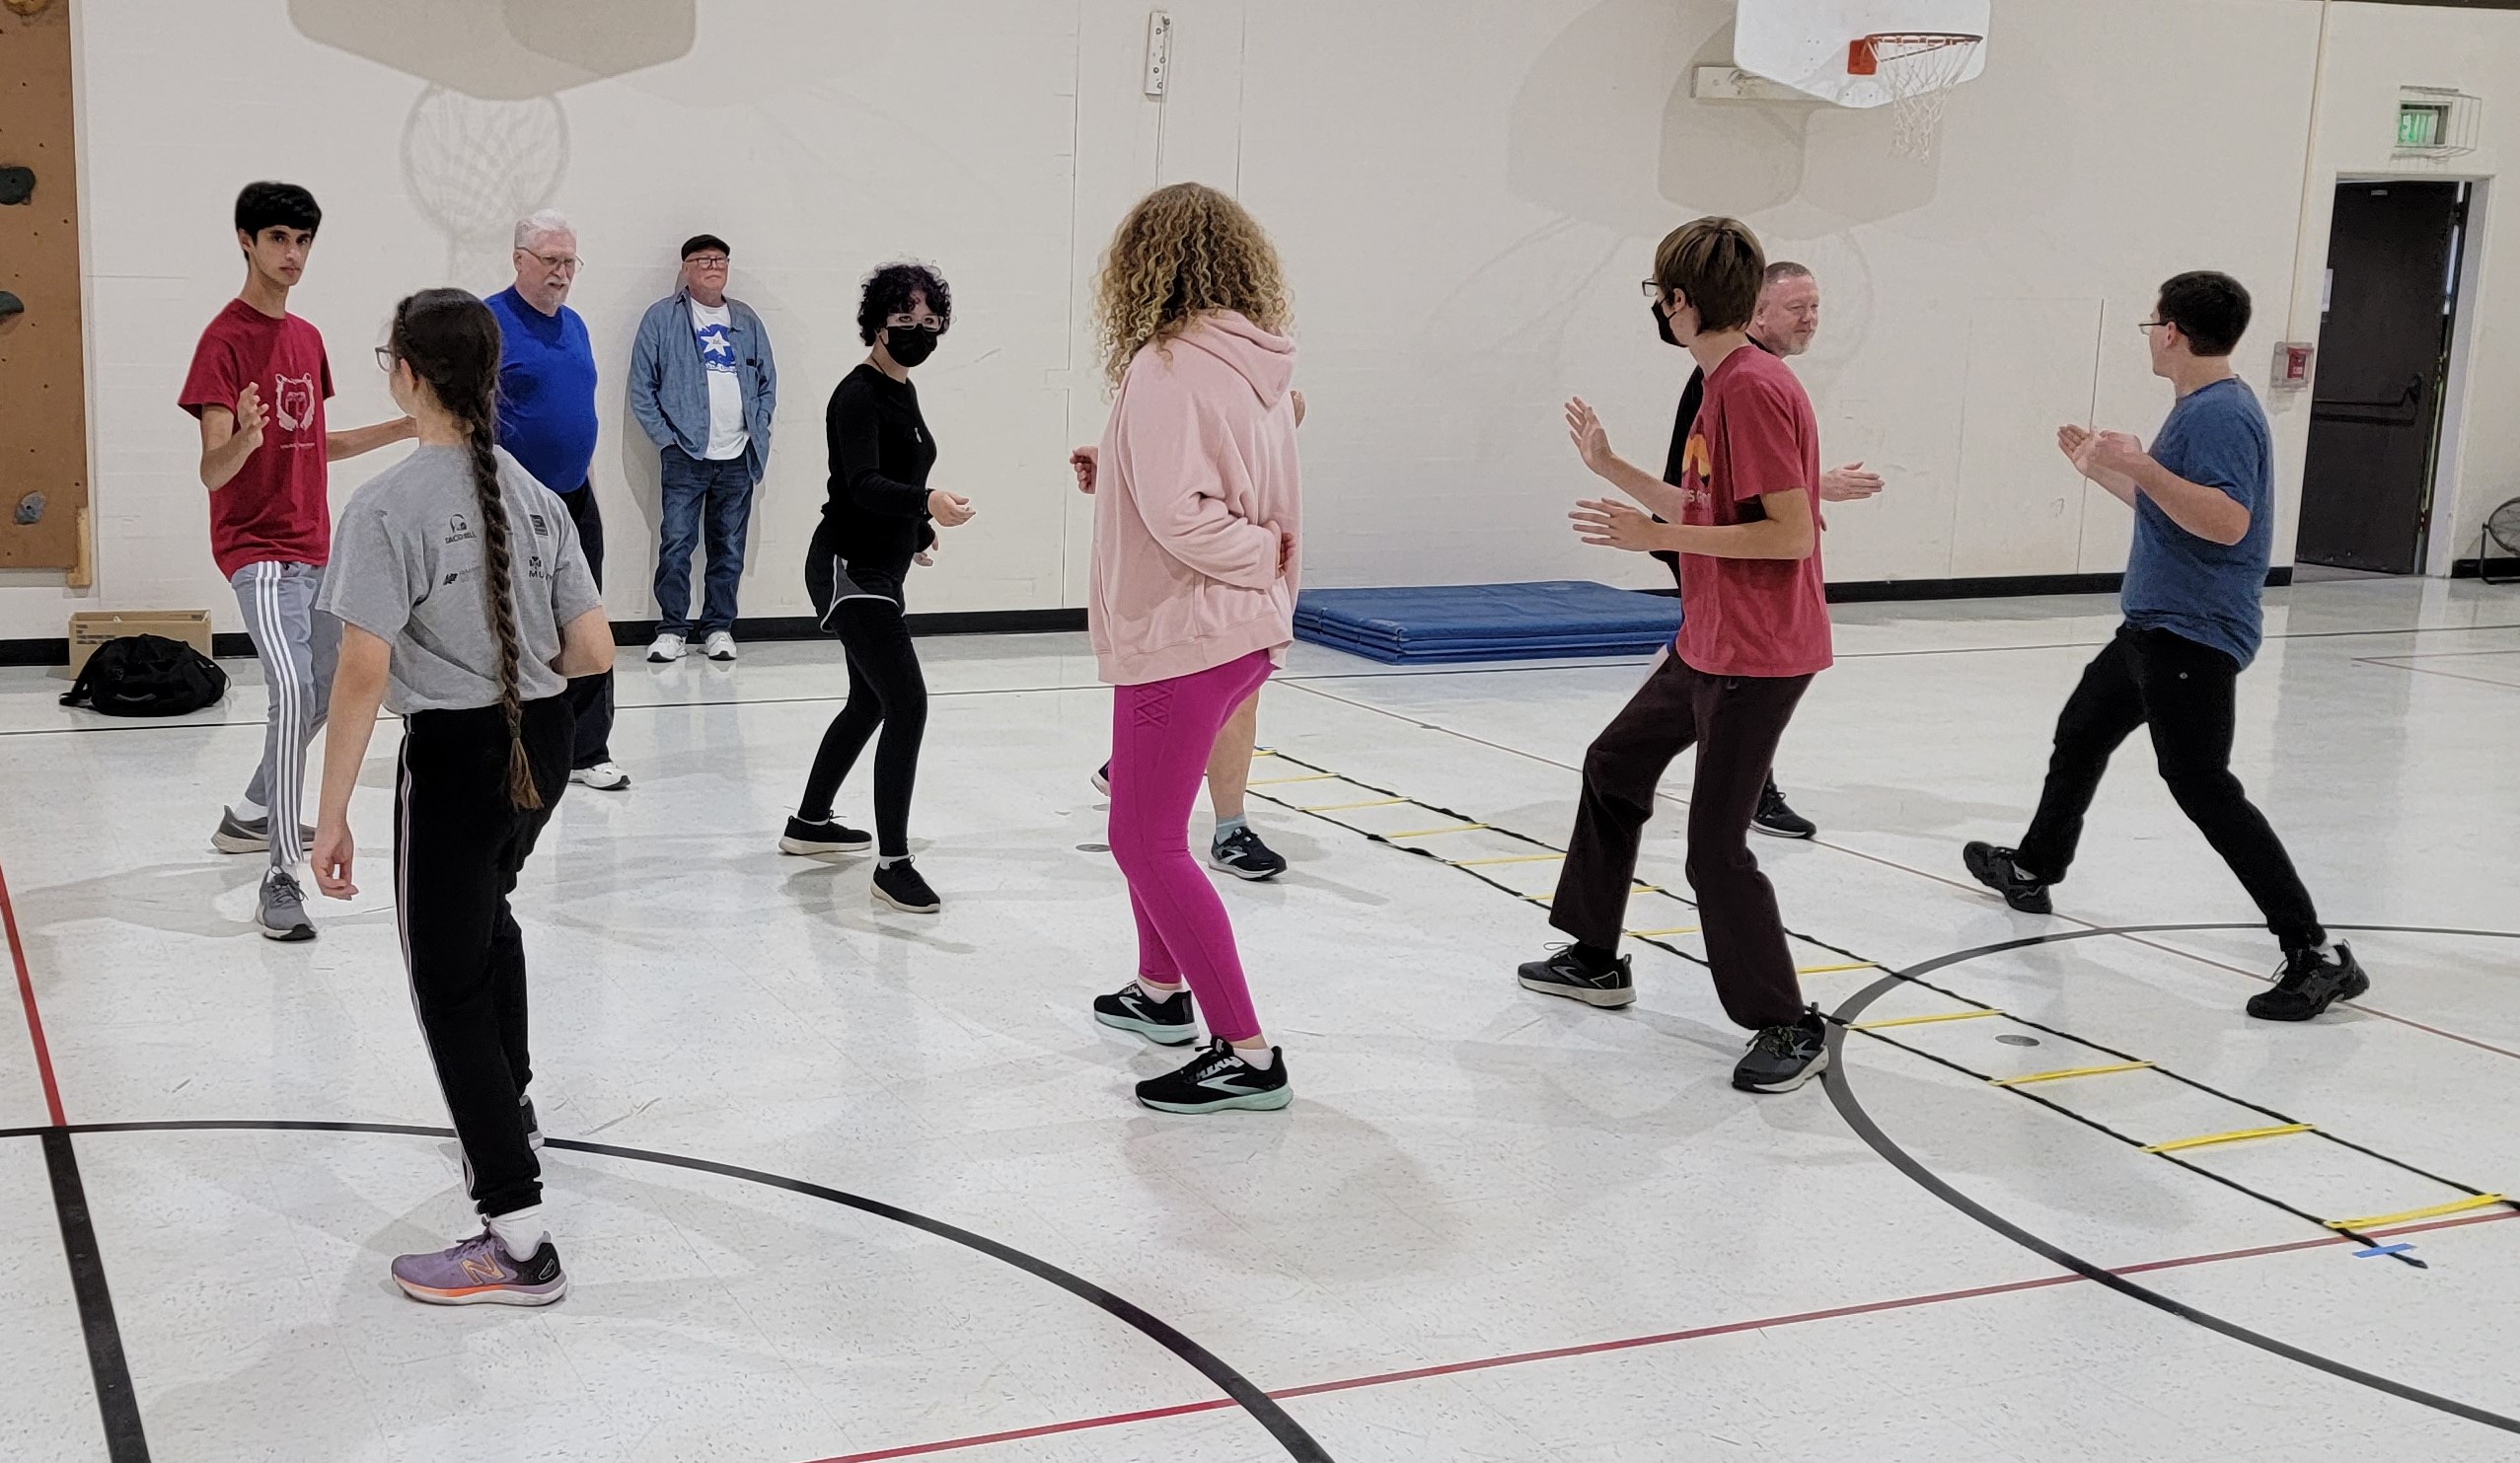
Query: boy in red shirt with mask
column 257, row 385
column 1755, row 632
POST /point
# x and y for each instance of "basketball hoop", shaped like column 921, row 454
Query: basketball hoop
column 1916, row 68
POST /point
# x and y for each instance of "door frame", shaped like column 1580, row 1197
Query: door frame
column 2435, row 552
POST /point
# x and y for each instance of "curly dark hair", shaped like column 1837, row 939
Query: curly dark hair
column 887, row 292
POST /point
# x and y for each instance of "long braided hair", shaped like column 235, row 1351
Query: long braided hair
column 451, row 342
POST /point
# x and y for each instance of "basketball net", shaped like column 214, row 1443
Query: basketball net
column 475, row 166
column 1918, row 68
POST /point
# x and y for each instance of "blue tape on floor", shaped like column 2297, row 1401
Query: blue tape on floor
column 2376, row 1251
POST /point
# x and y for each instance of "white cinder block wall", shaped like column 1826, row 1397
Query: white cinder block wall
column 1466, row 192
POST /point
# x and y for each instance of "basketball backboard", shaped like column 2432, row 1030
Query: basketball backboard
column 1803, row 43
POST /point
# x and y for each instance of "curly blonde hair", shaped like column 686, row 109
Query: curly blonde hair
column 1184, row 250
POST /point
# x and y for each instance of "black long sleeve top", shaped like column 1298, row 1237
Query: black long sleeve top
column 876, row 516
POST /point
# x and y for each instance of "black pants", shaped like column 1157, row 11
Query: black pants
column 1734, row 722
column 458, row 845
column 590, row 697
column 886, row 688
column 2181, row 690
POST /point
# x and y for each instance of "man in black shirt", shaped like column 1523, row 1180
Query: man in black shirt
column 1789, row 314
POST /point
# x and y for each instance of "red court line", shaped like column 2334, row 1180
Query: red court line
column 1628, row 1344
column 26, row 998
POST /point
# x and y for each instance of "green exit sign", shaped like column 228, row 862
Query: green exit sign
column 2421, row 124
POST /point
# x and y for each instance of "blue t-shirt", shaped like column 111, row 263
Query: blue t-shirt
column 546, row 391
column 2192, row 587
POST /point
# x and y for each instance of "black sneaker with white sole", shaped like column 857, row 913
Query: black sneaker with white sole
column 1777, row 820
column 1103, row 779
column 899, row 884
column 2310, row 982
column 1242, row 855
column 1784, row 1058
column 1218, row 1080
column 1169, row 1022
column 1999, row 869
column 1572, row 976
column 250, row 835
column 830, row 836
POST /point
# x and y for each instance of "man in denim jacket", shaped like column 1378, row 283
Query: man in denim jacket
column 702, row 385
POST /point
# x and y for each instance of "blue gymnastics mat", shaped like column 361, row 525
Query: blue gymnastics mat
column 1444, row 623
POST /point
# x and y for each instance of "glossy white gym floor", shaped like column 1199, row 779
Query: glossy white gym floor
column 1492, row 1225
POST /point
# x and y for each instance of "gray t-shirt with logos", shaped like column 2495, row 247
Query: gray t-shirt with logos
column 408, row 568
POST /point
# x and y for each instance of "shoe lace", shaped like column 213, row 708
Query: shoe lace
column 1776, row 1040
column 284, row 885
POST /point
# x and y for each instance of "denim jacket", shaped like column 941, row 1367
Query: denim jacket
column 669, row 387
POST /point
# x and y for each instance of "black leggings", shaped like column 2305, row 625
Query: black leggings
column 458, row 845
column 887, row 690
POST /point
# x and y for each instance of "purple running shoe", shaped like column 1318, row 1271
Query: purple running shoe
column 480, row 1272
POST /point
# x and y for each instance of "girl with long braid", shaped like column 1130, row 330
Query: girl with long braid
column 466, row 604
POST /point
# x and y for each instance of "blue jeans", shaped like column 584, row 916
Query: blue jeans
column 722, row 493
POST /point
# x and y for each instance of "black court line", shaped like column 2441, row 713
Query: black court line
column 1289, row 1434
column 1841, row 1094
column 124, row 1439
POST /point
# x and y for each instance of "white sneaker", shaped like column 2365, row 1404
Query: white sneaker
column 666, row 649
column 604, row 776
column 719, row 645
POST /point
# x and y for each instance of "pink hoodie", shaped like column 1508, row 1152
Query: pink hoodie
column 1198, row 462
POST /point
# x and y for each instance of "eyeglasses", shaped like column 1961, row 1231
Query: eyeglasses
column 1654, row 290
column 385, row 359
column 708, row 261
column 929, row 321
column 567, row 263
column 2147, row 326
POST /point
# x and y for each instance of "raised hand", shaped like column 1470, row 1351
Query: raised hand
column 1611, row 524
column 1085, row 462
column 2071, row 439
column 949, row 510
column 2116, row 452
column 1849, row 485
column 1592, row 442
column 251, row 418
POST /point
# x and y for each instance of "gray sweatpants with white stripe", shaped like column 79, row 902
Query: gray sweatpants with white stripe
column 298, row 646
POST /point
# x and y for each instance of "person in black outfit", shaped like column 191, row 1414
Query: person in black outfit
column 1789, row 314
column 881, row 516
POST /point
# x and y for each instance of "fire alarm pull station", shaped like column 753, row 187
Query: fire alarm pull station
column 2292, row 364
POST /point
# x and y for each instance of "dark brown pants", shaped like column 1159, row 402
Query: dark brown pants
column 1734, row 722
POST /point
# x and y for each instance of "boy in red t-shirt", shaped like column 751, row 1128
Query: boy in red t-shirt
column 258, row 384
column 1756, row 632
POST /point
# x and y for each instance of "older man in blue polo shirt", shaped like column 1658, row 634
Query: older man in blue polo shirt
column 704, row 386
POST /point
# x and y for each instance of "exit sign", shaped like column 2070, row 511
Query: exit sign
column 2421, row 124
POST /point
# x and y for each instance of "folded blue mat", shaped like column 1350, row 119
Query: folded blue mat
column 1487, row 621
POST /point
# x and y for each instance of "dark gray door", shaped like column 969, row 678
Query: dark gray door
column 2375, row 412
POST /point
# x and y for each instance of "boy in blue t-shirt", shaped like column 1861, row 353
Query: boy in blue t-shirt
column 2205, row 519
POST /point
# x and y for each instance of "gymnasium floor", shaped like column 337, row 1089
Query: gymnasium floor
column 1492, row 1226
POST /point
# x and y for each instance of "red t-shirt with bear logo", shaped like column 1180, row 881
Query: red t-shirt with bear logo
column 274, row 508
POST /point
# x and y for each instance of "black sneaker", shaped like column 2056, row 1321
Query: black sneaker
column 1567, row 974
column 899, row 884
column 533, row 1127
column 830, row 836
column 1103, row 779
column 1999, row 869
column 1784, row 1058
column 1242, row 855
column 1774, row 817
column 1168, row 1022
column 2309, row 983
column 1220, row 1079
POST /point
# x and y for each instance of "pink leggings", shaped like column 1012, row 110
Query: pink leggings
column 1160, row 736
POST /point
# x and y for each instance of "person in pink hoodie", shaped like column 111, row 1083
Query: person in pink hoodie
column 1191, row 603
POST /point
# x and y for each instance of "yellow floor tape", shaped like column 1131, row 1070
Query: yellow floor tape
column 2434, row 1212
column 1307, row 777
column 1921, row 1020
column 1830, row 970
column 1379, row 802
column 1480, row 863
column 2241, row 1135
column 2063, row 1072
column 1656, row 935
column 1428, row 832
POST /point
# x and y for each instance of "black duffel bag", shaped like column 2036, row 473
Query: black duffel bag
column 147, row 676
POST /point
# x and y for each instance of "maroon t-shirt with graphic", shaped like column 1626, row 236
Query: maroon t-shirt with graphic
column 1754, row 434
column 274, row 508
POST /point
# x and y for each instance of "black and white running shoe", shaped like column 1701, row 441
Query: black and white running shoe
column 830, row 836
column 1567, row 974
column 1169, row 1022
column 1784, row 1058
column 1242, row 855
column 1218, row 1080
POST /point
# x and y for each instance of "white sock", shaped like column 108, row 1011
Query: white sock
column 520, row 1231
column 246, row 810
column 886, row 861
column 1258, row 1058
column 1155, row 991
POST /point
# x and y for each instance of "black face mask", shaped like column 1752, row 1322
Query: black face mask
column 910, row 344
column 1661, row 324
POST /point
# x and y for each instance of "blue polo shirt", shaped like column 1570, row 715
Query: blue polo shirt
column 546, row 391
column 2192, row 587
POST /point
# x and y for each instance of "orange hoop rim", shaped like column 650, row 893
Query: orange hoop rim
column 1863, row 53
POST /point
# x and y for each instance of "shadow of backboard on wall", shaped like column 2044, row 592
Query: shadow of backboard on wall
column 504, row 50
